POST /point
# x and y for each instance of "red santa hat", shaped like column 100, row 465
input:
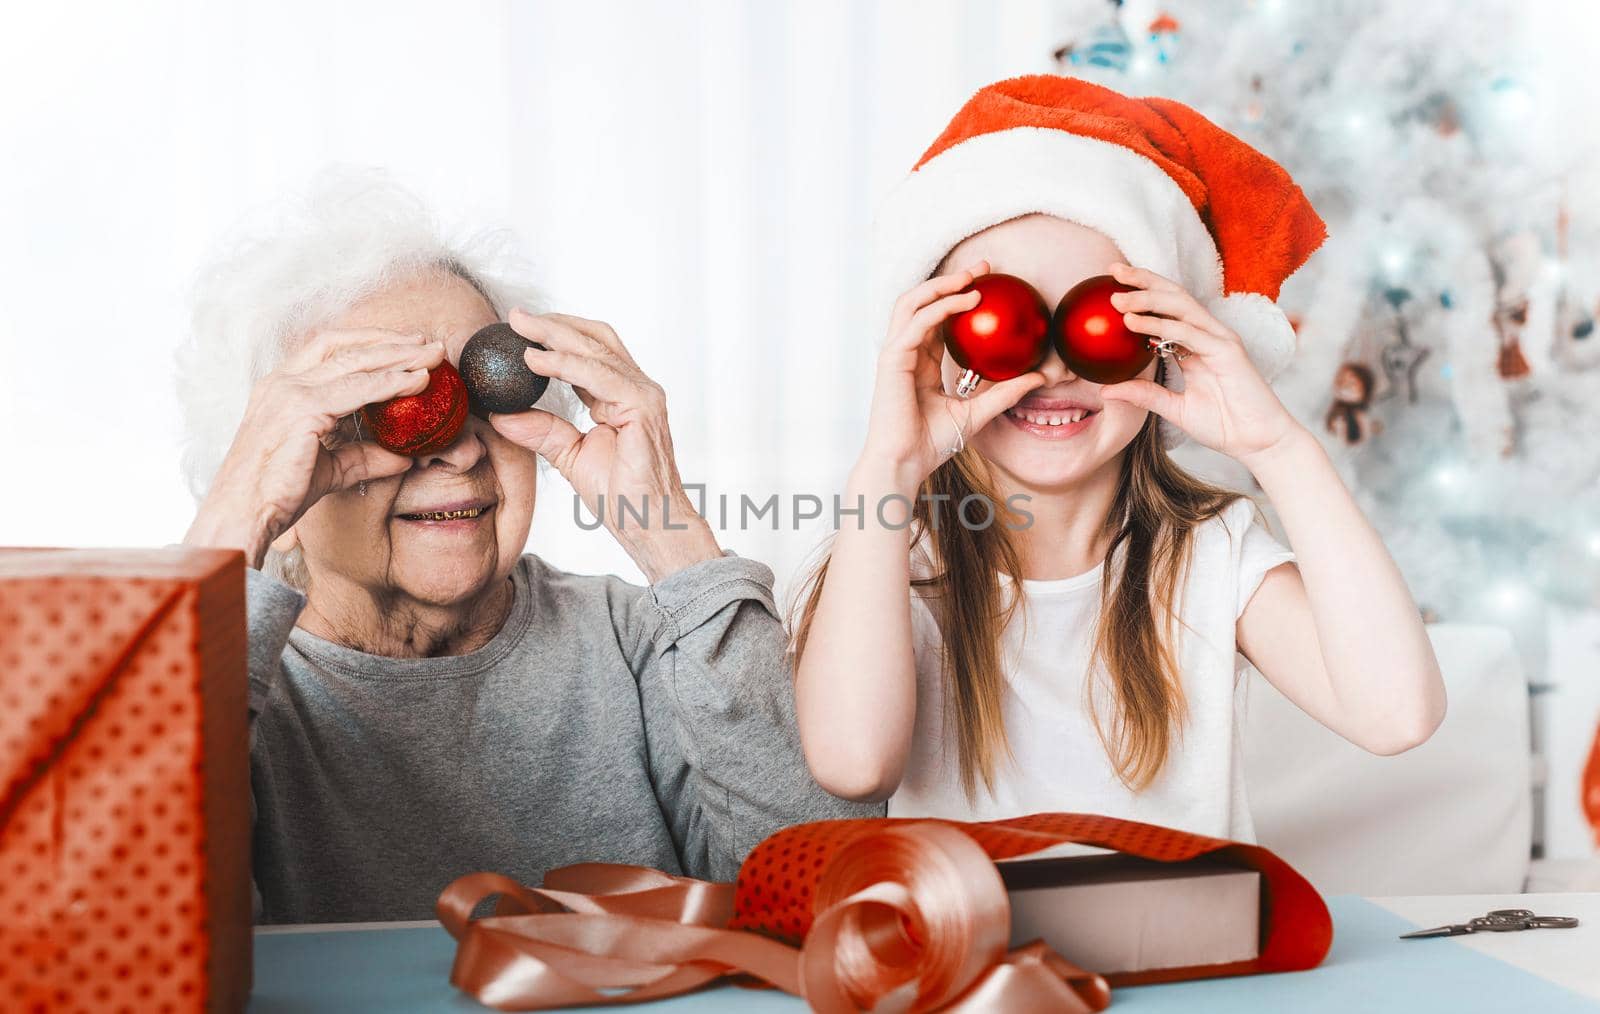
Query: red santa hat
column 1177, row 194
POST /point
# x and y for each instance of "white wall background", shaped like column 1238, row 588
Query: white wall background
column 701, row 175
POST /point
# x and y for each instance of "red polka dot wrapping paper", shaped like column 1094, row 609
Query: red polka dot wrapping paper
column 776, row 884
column 124, row 781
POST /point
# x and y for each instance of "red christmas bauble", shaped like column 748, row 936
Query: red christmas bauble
column 1091, row 336
column 1006, row 334
column 1591, row 787
column 421, row 423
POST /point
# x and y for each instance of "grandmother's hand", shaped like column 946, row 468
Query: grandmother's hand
column 627, row 456
column 291, row 448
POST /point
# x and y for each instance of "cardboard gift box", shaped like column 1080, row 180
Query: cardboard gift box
column 124, row 781
column 1121, row 915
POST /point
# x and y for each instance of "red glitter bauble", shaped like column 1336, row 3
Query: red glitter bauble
column 1006, row 334
column 1091, row 336
column 421, row 423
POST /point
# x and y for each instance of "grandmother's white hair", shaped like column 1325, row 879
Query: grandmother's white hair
column 302, row 264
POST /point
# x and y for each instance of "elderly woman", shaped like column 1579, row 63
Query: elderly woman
column 428, row 700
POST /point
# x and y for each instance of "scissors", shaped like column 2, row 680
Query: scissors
column 1501, row 920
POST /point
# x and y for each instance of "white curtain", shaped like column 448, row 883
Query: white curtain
column 700, row 175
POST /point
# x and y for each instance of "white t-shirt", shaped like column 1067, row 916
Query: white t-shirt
column 1060, row 763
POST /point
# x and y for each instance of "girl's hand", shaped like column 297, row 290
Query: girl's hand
column 297, row 441
column 1225, row 405
column 914, row 425
column 626, row 456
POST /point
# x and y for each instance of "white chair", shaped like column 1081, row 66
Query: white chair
column 1453, row 816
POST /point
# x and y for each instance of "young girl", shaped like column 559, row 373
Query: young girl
column 1080, row 652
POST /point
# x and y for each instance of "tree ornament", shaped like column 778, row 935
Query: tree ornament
column 1441, row 110
column 1004, row 336
column 1400, row 359
column 1509, row 321
column 1164, row 31
column 1513, row 365
column 1591, row 787
column 1575, row 348
column 422, row 423
column 497, row 377
column 1091, row 336
column 1107, row 45
column 1348, row 416
column 1254, row 108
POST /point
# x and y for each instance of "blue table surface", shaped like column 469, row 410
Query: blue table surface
column 406, row 971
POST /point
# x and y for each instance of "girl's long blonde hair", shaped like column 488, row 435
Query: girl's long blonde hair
column 1152, row 520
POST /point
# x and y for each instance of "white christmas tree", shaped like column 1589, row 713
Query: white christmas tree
column 1447, row 330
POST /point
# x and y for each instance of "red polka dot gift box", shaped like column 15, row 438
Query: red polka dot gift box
column 124, row 781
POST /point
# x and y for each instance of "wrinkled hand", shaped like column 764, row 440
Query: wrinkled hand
column 292, row 447
column 914, row 425
column 1226, row 404
column 627, row 455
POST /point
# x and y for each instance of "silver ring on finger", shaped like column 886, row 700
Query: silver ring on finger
column 961, row 434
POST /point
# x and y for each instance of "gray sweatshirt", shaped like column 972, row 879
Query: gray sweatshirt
column 604, row 722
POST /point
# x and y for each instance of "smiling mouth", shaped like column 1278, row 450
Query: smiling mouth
column 1054, row 417
column 465, row 514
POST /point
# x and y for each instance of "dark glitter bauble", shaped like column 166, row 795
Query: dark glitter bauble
column 498, row 378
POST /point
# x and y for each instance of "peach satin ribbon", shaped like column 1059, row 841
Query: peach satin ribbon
column 913, row 918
